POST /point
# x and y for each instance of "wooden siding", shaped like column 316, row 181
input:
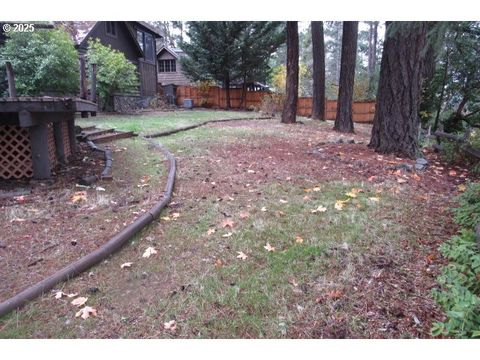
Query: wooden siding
column 148, row 78
column 363, row 111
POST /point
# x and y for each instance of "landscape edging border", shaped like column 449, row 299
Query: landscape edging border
column 93, row 258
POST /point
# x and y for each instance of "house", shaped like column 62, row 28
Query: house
column 170, row 68
column 135, row 39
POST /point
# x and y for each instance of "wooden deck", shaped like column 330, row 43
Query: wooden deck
column 45, row 104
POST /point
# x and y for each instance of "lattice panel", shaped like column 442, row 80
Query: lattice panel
column 66, row 139
column 15, row 153
column 52, row 153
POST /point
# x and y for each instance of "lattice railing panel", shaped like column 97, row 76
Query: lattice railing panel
column 15, row 152
column 66, row 139
column 52, row 152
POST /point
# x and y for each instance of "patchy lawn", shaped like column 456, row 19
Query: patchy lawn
column 354, row 243
column 162, row 120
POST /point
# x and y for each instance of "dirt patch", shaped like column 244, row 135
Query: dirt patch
column 59, row 222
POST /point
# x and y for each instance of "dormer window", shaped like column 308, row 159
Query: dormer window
column 167, row 66
column 111, row 28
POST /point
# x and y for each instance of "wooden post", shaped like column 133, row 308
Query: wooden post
column 93, row 89
column 83, row 83
column 11, row 80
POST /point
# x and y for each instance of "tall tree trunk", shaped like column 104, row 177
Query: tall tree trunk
column 344, row 121
column 395, row 125
column 318, row 49
column 291, row 90
column 227, row 90
column 372, row 56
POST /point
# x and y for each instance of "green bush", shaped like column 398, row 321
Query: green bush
column 468, row 213
column 459, row 292
column 44, row 61
column 114, row 72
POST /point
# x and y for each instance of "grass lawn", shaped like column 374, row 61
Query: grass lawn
column 349, row 257
column 160, row 121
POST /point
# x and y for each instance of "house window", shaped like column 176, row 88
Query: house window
column 167, row 66
column 111, row 28
column 147, row 45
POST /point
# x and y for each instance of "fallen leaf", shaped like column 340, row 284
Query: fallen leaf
column 17, row 220
column 283, row 201
column 60, row 294
column 86, row 312
column 269, row 247
column 165, row 218
column 306, row 198
column 461, row 187
column 372, row 178
column 227, row 223
column 339, row 204
column 241, row 255
column 351, row 194
column 99, row 188
column 227, row 235
column 316, row 189
column 79, row 301
column 320, row 208
column 170, row 325
column 210, row 231
column 415, row 177
column 149, row 252
column 335, row 294
column 175, row 215
column 250, row 171
column 374, row 199
column 20, row 199
column 298, row 239
column 218, row 263
column 244, row 215
column 126, row 265
column 79, row 196
column 401, row 181
column 263, row 209
column 452, row 173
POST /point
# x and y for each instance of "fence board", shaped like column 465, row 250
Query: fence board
column 363, row 111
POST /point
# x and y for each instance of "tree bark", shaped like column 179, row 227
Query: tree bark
column 318, row 49
column 227, row 90
column 396, row 121
column 291, row 89
column 343, row 120
column 372, row 56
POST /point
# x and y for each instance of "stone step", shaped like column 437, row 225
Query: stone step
column 111, row 136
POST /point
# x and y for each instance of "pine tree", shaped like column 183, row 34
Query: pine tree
column 227, row 51
column 291, row 92
column 396, row 121
column 318, row 50
column 344, row 120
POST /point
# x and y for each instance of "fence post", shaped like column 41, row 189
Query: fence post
column 93, row 88
column 12, row 90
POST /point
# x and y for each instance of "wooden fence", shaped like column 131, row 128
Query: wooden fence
column 363, row 111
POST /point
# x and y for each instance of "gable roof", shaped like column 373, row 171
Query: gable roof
column 79, row 30
column 175, row 52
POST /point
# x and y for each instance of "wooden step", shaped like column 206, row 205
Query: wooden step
column 89, row 128
column 111, row 136
column 96, row 132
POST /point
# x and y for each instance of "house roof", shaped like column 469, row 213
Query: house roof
column 79, row 30
column 172, row 51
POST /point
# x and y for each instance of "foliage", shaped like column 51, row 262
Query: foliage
column 44, row 62
column 203, row 88
column 459, row 292
column 226, row 51
column 114, row 72
column 272, row 104
column 454, row 92
column 468, row 214
column 279, row 75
